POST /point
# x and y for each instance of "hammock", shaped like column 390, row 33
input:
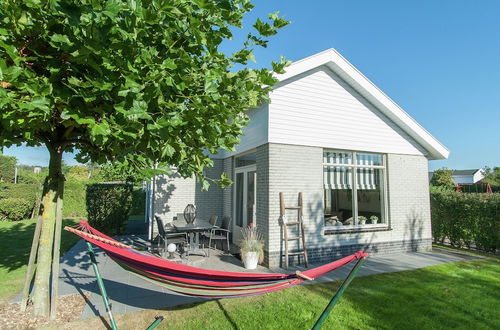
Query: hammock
column 199, row 282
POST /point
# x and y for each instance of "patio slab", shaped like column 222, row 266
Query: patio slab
column 128, row 293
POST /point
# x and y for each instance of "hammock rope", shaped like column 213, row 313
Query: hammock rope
column 199, row 282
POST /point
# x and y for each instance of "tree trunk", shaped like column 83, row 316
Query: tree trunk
column 57, row 247
column 52, row 191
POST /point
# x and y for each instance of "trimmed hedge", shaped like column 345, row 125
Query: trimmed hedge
column 7, row 168
column 466, row 219
column 15, row 209
column 17, row 201
column 74, row 199
column 108, row 206
column 138, row 202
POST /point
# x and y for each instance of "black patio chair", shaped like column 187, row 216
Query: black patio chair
column 220, row 234
column 165, row 237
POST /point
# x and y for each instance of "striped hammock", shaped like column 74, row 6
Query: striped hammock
column 199, row 282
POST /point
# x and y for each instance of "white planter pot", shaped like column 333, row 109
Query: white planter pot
column 250, row 260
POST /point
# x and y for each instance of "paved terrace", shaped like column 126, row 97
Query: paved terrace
column 129, row 293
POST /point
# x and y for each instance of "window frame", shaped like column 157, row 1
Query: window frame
column 354, row 166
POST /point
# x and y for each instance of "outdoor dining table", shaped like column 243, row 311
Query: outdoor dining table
column 193, row 230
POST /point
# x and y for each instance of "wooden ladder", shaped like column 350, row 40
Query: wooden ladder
column 285, row 224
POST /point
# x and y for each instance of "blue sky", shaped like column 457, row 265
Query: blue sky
column 439, row 60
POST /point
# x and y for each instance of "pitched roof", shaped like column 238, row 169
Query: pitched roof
column 338, row 64
column 465, row 172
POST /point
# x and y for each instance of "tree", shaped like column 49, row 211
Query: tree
column 142, row 83
column 442, row 177
column 492, row 175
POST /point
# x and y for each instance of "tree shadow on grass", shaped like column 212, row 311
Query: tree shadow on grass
column 16, row 239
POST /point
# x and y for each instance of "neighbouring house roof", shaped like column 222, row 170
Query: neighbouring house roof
column 338, row 64
column 465, row 172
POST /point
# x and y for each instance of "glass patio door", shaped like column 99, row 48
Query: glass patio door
column 245, row 200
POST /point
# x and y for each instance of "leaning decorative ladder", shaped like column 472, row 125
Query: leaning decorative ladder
column 299, row 226
column 199, row 282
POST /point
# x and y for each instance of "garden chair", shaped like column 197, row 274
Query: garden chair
column 220, row 234
column 165, row 237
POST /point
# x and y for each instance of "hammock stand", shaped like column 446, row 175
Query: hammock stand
column 201, row 282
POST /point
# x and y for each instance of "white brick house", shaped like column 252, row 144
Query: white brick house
column 330, row 134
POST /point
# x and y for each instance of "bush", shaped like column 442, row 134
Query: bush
column 7, row 168
column 138, row 202
column 466, row 219
column 108, row 206
column 17, row 201
column 15, row 209
column 74, row 199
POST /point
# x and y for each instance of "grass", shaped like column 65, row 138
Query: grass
column 463, row 295
column 15, row 245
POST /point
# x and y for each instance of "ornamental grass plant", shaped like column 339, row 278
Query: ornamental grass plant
column 252, row 241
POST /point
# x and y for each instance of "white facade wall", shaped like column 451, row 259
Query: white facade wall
column 463, row 178
column 254, row 134
column 173, row 193
column 317, row 108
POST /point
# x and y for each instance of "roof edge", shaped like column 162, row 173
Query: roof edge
column 338, row 64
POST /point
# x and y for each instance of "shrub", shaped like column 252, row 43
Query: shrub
column 7, row 168
column 74, row 199
column 15, row 209
column 108, row 206
column 17, row 200
column 466, row 219
column 138, row 202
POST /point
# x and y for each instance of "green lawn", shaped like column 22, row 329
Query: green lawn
column 463, row 295
column 15, row 245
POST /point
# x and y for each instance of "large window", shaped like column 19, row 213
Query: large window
column 354, row 194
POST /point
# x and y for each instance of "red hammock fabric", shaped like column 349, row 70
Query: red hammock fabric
column 196, row 281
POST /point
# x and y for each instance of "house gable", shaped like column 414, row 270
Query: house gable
column 318, row 108
column 364, row 87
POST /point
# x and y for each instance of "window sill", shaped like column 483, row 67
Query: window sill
column 334, row 230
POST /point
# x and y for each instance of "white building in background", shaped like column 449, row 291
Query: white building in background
column 468, row 176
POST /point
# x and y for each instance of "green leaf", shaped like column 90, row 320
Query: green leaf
column 167, row 151
column 264, row 29
column 169, row 64
column 60, row 38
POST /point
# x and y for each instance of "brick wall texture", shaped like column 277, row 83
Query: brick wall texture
column 292, row 169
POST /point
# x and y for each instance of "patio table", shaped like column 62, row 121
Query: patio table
column 193, row 229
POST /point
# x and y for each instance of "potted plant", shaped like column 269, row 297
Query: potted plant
column 374, row 219
column 362, row 220
column 251, row 247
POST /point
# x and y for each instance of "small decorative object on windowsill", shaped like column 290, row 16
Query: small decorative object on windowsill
column 338, row 224
column 362, row 220
column 251, row 247
column 374, row 219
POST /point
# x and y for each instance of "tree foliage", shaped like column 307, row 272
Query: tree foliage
column 492, row 175
column 132, row 81
column 142, row 83
column 443, row 178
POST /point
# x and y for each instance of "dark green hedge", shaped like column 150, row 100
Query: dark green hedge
column 466, row 219
column 138, row 202
column 108, row 206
